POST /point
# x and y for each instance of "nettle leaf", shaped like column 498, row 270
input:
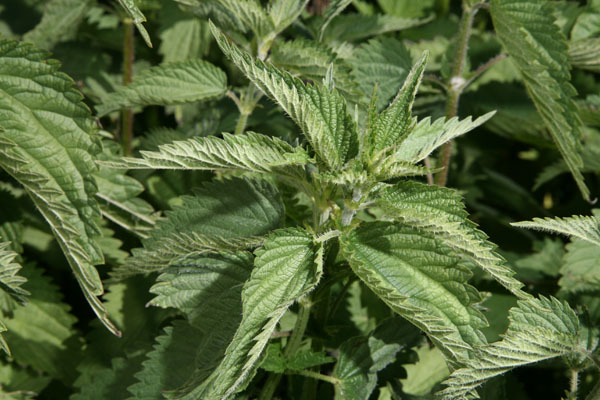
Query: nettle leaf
column 362, row 357
column 38, row 333
column 10, row 283
column 59, row 22
column 310, row 60
column 420, row 279
column 276, row 360
column 48, row 145
column 585, row 54
column 286, row 269
column 580, row 272
column 215, row 11
column 528, row 31
column 585, row 228
column 539, row 329
column 248, row 152
column 427, row 136
column 172, row 83
column 384, row 62
column 284, row 12
column 395, row 122
column 353, row 26
column 204, row 287
column 441, row 212
column 170, row 363
column 332, row 11
column 319, row 111
column 119, row 202
column 251, row 14
column 107, row 382
column 182, row 36
column 208, row 289
column 226, row 215
column 138, row 18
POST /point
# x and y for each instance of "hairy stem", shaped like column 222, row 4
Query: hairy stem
column 291, row 347
column 574, row 382
column 456, row 82
column 246, row 105
column 241, row 124
column 127, row 113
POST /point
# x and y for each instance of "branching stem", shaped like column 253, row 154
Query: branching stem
column 291, row 348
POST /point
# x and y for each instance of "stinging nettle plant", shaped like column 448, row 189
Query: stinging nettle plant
column 308, row 246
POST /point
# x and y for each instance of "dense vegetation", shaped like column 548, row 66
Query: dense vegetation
column 211, row 199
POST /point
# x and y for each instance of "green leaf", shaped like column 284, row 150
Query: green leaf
column 221, row 216
column 580, row 272
column 206, row 288
column 362, row 357
column 546, row 259
column 396, row 122
column 301, row 360
column 585, row 228
column 107, row 382
column 585, row 54
column 216, row 12
column 441, row 212
column 248, row 152
column 332, row 11
column 251, row 14
column 286, row 269
column 319, row 111
column 168, row 84
column 539, row 329
column 38, row 333
column 48, row 146
column 119, row 202
column 283, row 12
column 352, row 26
column 170, row 363
column 528, row 31
column 422, row 376
column 420, row 279
column 310, row 60
column 428, row 136
column 384, row 62
column 138, row 18
column 10, row 283
column 59, row 22
column 182, row 37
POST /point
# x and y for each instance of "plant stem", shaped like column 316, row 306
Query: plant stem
column 128, row 57
column 455, row 84
column 574, row 381
column 315, row 375
column 291, row 347
column 241, row 124
column 246, row 105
